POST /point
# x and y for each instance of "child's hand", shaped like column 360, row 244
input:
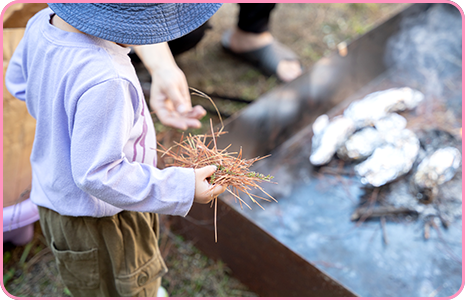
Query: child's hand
column 203, row 190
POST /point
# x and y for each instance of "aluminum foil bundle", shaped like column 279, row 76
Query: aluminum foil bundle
column 373, row 110
column 328, row 136
column 363, row 142
column 391, row 160
column 377, row 105
column 435, row 170
column 391, row 122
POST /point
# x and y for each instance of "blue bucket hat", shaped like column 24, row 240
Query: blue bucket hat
column 135, row 23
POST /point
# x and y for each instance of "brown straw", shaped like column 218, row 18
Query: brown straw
column 198, row 151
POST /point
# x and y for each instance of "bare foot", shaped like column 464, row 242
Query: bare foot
column 242, row 41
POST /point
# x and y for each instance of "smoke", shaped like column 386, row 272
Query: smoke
column 428, row 49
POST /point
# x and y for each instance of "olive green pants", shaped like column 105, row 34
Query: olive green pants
column 109, row 256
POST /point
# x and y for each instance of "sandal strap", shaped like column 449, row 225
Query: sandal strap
column 266, row 58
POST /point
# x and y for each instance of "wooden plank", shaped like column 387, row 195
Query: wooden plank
column 17, row 14
column 18, row 133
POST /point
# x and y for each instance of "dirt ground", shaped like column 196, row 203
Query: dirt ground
column 312, row 31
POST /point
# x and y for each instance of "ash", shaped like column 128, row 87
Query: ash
column 427, row 51
column 444, row 209
column 401, row 200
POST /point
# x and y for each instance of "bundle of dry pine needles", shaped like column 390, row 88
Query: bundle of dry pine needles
column 197, row 151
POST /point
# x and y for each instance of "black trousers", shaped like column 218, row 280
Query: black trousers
column 253, row 17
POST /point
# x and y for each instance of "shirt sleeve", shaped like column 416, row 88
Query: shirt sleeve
column 101, row 128
column 15, row 79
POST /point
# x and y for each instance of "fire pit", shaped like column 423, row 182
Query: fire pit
column 329, row 234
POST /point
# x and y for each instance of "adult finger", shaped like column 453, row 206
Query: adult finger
column 169, row 118
column 196, row 112
column 179, row 102
column 178, row 123
column 192, row 123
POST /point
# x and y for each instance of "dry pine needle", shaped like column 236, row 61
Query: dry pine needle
column 198, row 151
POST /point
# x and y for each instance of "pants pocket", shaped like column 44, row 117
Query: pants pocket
column 143, row 282
column 78, row 269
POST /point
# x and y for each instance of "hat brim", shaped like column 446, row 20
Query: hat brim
column 135, row 23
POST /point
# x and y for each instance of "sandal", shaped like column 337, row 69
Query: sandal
column 266, row 59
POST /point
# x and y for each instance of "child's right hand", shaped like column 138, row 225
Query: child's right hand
column 203, row 189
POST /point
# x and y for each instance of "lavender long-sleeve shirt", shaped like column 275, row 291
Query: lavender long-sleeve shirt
column 94, row 149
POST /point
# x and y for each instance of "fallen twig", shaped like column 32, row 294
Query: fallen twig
column 383, row 228
column 380, row 211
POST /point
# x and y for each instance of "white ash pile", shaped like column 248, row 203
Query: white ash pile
column 372, row 132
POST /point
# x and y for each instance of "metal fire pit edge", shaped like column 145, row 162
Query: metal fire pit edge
column 256, row 258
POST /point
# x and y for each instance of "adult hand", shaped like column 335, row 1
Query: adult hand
column 170, row 99
column 169, row 94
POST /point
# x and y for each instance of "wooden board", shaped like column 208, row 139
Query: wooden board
column 17, row 15
column 18, row 133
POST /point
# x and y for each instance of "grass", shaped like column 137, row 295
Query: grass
column 193, row 274
column 30, row 270
column 301, row 26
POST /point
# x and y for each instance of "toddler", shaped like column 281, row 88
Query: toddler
column 94, row 174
